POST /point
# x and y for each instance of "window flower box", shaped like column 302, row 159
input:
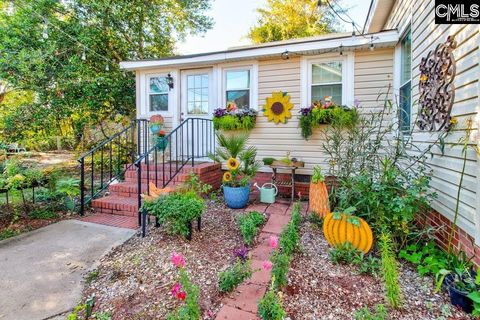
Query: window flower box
column 233, row 118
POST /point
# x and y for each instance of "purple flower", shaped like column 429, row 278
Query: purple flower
column 241, row 253
column 220, row 112
column 356, row 103
column 306, row 111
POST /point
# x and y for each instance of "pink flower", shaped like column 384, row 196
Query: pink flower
column 273, row 242
column 181, row 295
column 267, row 265
column 176, row 289
column 178, row 260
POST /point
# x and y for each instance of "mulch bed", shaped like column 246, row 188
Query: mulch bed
column 319, row 289
column 135, row 279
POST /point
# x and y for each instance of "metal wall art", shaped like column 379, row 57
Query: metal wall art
column 437, row 91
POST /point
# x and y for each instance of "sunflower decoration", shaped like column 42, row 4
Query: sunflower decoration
column 233, row 164
column 227, row 176
column 278, row 107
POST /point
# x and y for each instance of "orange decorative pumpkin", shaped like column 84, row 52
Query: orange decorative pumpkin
column 318, row 195
column 156, row 192
column 339, row 228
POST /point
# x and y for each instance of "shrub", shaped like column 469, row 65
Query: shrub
column 42, row 213
column 289, row 238
column 280, row 264
column 390, row 271
column 176, row 211
column 233, row 276
column 380, row 313
column 368, row 265
column 67, row 190
column 270, row 306
column 344, row 253
column 249, row 224
column 193, row 183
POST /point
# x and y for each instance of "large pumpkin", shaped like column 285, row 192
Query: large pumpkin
column 318, row 194
column 339, row 228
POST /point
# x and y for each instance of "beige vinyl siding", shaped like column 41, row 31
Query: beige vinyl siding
column 373, row 75
column 426, row 35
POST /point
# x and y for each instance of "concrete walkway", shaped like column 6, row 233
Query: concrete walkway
column 41, row 272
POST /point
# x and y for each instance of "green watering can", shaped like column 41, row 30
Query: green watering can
column 267, row 192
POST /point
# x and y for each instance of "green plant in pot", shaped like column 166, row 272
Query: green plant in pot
column 242, row 167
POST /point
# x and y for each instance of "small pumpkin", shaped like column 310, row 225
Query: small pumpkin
column 342, row 227
column 318, row 194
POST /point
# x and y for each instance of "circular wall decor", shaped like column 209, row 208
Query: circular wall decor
column 278, row 106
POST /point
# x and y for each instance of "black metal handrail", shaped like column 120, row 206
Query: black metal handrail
column 194, row 138
column 108, row 161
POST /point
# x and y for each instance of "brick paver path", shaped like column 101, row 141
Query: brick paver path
column 242, row 303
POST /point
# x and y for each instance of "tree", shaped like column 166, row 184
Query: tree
column 68, row 52
column 289, row 19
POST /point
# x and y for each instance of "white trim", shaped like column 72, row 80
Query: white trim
column 184, row 95
column 477, row 216
column 384, row 38
column 397, row 71
column 252, row 66
column 347, row 60
column 172, row 99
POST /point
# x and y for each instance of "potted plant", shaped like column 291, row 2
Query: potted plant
column 156, row 123
column 460, row 283
column 233, row 118
column 161, row 141
column 241, row 165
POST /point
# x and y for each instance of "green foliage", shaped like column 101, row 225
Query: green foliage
column 316, row 115
column 176, row 211
column 268, row 161
column 8, row 233
column 234, row 275
column 42, row 213
column 102, row 316
column 315, row 220
column 233, row 122
column 91, row 276
column 270, row 306
column 475, row 296
column 364, row 313
column 283, row 20
column 344, row 253
column 190, row 310
column 317, row 175
column 280, row 264
column 249, row 224
column 428, row 258
column 66, row 93
column 390, row 272
column 368, row 264
column 193, row 183
column 290, row 238
column 68, row 189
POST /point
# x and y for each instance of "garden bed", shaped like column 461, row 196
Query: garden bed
column 135, row 280
column 319, row 289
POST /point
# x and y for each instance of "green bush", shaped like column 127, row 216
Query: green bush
column 42, row 213
column 176, row 211
column 344, row 253
column 234, row 275
column 249, row 224
column 380, row 313
column 270, row 307
column 280, row 264
column 233, row 122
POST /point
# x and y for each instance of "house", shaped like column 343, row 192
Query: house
column 385, row 59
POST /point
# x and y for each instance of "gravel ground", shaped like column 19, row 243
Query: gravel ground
column 134, row 281
column 318, row 289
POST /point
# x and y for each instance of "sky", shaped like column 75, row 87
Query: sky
column 233, row 19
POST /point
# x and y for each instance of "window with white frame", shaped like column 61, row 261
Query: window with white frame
column 237, row 87
column 405, row 91
column 197, row 93
column 158, row 93
column 326, row 81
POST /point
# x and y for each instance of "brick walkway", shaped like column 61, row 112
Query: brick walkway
column 242, row 303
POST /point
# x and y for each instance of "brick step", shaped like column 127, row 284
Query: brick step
column 129, row 189
column 115, row 204
column 169, row 166
column 132, row 178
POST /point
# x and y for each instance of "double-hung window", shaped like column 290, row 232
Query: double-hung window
column 237, row 87
column 405, row 91
column 326, row 81
column 158, row 93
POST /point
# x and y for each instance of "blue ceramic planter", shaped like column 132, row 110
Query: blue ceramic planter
column 236, row 198
column 155, row 128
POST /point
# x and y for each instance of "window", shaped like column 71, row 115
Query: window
column 237, row 84
column 405, row 92
column 197, row 93
column 327, row 81
column 158, row 94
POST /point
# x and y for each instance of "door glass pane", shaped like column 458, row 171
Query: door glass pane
column 238, row 79
column 240, row 97
column 327, row 72
column 333, row 90
column 406, row 58
column 197, row 94
column 405, row 107
column 159, row 102
column 158, row 85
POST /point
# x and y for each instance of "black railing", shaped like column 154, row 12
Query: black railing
column 108, row 161
column 193, row 139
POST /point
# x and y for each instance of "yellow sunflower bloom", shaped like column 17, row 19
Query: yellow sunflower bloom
column 232, row 164
column 278, row 107
column 227, row 176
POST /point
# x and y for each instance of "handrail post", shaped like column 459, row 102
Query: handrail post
column 82, row 186
column 139, row 137
column 193, row 145
column 139, row 191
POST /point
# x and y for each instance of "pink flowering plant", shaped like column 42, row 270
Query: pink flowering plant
column 325, row 111
column 185, row 292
